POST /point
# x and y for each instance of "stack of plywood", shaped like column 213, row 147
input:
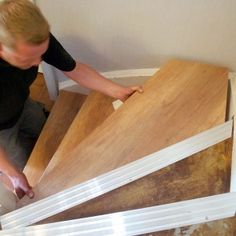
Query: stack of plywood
column 182, row 99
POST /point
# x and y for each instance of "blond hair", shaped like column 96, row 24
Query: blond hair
column 22, row 20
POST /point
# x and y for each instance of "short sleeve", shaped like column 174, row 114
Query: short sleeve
column 57, row 56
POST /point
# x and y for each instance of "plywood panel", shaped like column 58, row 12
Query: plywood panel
column 93, row 112
column 61, row 117
column 180, row 100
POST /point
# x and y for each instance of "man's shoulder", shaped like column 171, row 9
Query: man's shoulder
column 57, row 56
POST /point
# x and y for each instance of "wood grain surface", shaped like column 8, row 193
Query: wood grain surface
column 58, row 122
column 182, row 99
column 96, row 108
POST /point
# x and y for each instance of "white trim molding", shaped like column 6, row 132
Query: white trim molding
column 135, row 76
column 140, row 221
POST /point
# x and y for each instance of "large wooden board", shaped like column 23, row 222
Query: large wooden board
column 59, row 120
column 180, row 100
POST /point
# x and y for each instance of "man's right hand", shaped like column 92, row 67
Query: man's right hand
column 18, row 180
column 21, row 185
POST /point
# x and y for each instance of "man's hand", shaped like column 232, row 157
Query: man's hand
column 21, row 185
column 17, row 178
column 89, row 78
column 128, row 91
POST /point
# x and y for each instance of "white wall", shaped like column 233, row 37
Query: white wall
column 125, row 34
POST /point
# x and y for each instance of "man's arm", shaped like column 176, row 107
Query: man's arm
column 89, row 78
column 17, row 178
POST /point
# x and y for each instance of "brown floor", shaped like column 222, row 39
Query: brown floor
column 39, row 92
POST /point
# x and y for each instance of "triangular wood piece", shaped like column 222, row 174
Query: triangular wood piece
column 59, row 120
column 93, row 112
column 182, row 99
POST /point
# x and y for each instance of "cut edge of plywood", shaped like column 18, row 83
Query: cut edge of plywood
column 109, row 181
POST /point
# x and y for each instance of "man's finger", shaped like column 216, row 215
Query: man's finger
column 21, row 193
column 30, row 193
column 138, row 88
column 27, row 189
column 22, row 186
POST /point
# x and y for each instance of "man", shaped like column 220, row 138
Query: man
column 25, row 40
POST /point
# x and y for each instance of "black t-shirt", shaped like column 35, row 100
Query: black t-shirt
column 15, row 83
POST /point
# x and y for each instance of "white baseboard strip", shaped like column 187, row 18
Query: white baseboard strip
column 118, row 74
column 114, row 179
column 140, row 221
